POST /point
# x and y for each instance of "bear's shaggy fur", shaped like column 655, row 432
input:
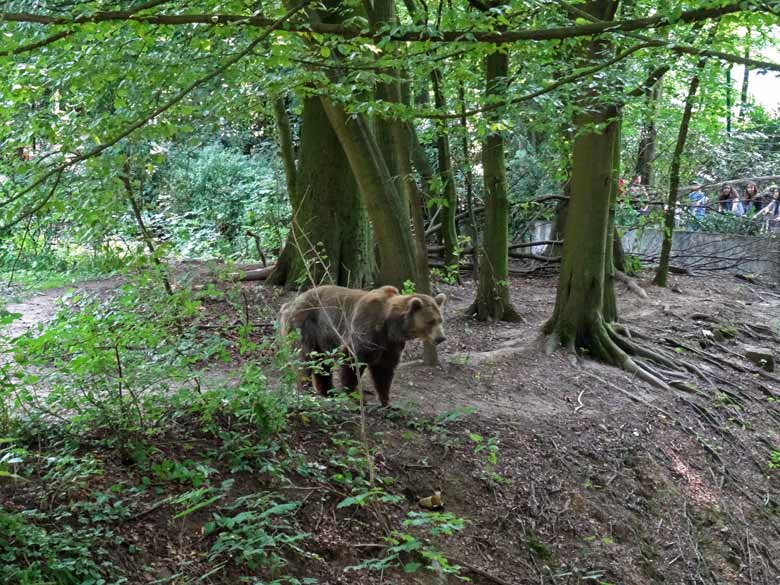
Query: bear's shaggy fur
column 370, row 327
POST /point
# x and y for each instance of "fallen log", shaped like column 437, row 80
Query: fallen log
column 680, row 270
column 630, row 283
column 463, row 214
column 468, row 251
column 252, row 274
column 550, row 259
column 537, row 243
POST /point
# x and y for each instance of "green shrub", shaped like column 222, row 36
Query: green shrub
column 208, row 198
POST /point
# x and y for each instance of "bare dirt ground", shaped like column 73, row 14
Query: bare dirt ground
column 598, row 477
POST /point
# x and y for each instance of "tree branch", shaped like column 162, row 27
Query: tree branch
column 36, row 45
column 422, row 34
column 35, row 209
column 66, row 33
column 535, row 94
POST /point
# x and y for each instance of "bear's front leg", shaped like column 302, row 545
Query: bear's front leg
column 323, row 379
column 383, row 378
column 350, row 376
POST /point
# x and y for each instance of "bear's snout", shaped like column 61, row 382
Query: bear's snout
column 438, row 339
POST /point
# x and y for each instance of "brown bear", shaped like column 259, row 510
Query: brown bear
column 371, row 328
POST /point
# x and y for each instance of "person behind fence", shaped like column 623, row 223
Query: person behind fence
column 725, row 198
column 771, row 211
column 698, row 201
column 753, row 200
column 737, row 203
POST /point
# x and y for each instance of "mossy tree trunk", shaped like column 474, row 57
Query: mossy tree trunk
column 382, row 199
column 492, row 302
column 610, row 310
column 386, row 207
column 662, row 273
column 325, row 197
column 578, row 319
column 584, row 303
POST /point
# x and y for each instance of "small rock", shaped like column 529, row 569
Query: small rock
column 761, row 357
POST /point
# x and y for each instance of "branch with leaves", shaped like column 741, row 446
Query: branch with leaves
column 142, row 121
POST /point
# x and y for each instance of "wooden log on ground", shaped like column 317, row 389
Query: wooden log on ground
column 252, row 274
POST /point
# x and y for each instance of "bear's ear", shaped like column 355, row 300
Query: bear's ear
column 389, row 291
column 415, row 304
column 440, row 299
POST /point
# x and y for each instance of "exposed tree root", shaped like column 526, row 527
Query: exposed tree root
column 665, row 412
column 252, row 274
column 500, row 311
column 630, row 283
column 603, row 346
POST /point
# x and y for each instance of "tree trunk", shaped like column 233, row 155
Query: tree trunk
column 743, row 102
column 286, row 149
column 662, row 274
column 386, row 208
column 492, row 302
column 450, row 206
column 648, row 136
column 284, row 135
column 578, row 318
column 388, row 212
column 469, row 180
column 610, row 310
column 139, row 220
column 582, row 304
column 729, row 100
column 325, row 196
column 403, row 141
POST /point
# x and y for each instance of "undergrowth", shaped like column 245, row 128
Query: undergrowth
column 111, row 434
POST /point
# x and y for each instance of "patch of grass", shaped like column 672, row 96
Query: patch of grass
column 774, row 460
column 537, row 547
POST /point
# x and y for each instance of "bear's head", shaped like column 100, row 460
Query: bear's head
column 423, row 319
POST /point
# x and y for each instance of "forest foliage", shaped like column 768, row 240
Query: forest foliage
column 334, row 141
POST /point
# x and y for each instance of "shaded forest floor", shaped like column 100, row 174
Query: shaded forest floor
column 550, row 472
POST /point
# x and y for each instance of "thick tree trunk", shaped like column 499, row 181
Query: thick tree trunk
column 449, row 209
column 492, row 302
column 387, row 210
column 326, row 196
column 662, row 274
column 386, row 207
column 578, row 319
